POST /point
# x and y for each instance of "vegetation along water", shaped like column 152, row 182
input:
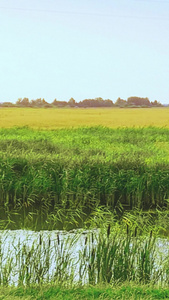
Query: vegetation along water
column 82, row 168
column 112, row 178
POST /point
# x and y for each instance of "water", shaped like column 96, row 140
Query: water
column 28, row 256
column 44, row 250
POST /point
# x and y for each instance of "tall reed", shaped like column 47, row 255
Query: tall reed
column 91, row 257
column 122, row 258
column 84, row 167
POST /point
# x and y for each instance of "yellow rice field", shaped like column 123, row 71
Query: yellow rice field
column 74, row 117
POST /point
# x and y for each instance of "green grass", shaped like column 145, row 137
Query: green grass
column 127, row 291
column 54, row 173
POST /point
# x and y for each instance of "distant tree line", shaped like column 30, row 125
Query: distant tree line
column 97, row 102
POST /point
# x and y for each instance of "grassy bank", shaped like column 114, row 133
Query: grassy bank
column 127, row 291
column 82, row 168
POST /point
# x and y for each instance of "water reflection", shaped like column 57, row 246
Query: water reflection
column 31, row 257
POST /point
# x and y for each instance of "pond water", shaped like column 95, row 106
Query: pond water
column 28, row 256
column 26, row 252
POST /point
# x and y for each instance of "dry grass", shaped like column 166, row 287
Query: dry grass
column 67, row 117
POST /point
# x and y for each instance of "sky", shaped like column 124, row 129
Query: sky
column 84, row 49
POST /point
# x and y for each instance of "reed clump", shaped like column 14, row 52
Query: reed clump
column 82, row 168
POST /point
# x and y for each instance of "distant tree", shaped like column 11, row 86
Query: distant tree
column 59, row 103
column 72, row 102
column 7, row 104
column 18, row 102
column 138, row 101
column 108, row 103
column 48, row 105
column 97, row 102
column 85, row 103
column 156, row 103
column 23, row 102
column 120, row 102
column 44, row 102
column 88, row 103
column 32, row 103
column 38, row 102
column 55, row 102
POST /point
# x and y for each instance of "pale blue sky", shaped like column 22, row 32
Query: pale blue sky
column 84, row 49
